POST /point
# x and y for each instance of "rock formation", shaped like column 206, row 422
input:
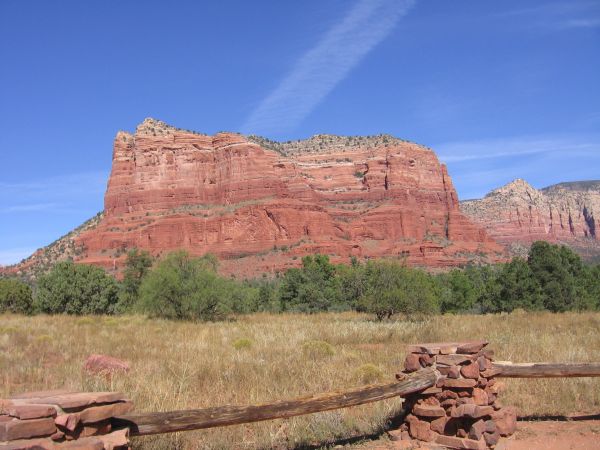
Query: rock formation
column 260, row 205
column 518, row 214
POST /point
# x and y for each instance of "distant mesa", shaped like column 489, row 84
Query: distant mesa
column 518, row 214
column 260, row 205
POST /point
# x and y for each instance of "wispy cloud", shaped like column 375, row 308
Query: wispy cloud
column 477, row 167
column 502, row 148
column 320, row 69
column 581, row 23
column 34, row 207
column 559, row 15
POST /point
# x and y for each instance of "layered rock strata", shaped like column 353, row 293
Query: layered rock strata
column 260, row 205
column 518, row 214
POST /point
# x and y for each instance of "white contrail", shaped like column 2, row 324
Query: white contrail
column 322, row 67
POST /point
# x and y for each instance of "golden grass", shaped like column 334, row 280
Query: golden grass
column 263, row 357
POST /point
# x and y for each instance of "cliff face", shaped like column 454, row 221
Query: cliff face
column 517, row 214
column 261, row 205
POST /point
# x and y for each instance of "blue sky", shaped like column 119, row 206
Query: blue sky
column 499, row 89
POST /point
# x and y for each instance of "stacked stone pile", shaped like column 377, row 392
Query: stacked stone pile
column 63, row 420
column 462, row 411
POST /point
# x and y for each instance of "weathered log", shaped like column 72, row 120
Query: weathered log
column 508, row 369
column 167, row 422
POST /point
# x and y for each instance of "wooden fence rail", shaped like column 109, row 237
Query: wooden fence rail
column 142, row 424
column 546, row 370
column 166, row 422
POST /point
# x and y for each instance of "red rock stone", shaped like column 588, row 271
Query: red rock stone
column 425, row 360
column 104, row 364
column 460, row 443
column 421, row 430
column 67, row 421
column 431, row 401
column 454, row 372
column 470, row 370
column 460, row 383
column 438, row 425
column 394, row 435
column 484, row 363
column 447, row 394
column 477, row 430
column 448, row 403
column 30, row 411
column 411, row 363
column 506, row 421
column 465, row 401
column 75, row 400
column 22, row 429
column 452, row 360
column 480, row 397
column 471, row 347
column 231, row 195
column 467, row 410
column 490, row 426
column 491, row 439
column 29, row 444
column 428, row 411
column 482, row 411
column 489, row 373
column 98, row 413
column 431, row 390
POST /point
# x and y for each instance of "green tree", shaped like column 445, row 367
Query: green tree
column 76, row 289
column 517, row 288
column 137, row 265
column 183, row 287
column 561, row 275
column 394, row 288
column 312, row 288
column 458, row 292
column 15, row 296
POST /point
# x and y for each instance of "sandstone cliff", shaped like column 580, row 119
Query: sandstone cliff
column 260, row 205
column 518, row 214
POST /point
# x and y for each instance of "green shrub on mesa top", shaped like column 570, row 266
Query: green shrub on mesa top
column 15, row 296
column 76, row 289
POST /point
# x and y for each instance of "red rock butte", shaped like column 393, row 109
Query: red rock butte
column 260, row 205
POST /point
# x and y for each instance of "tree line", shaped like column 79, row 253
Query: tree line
column 180, row 286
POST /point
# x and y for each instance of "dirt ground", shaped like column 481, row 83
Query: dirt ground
column 581, row 432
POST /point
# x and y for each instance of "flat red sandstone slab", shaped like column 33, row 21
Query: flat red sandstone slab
column 76, row 400
column 21, row 429
column 30, row 411
column 446, row 348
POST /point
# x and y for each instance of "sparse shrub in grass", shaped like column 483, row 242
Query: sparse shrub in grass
column 368, row 373
column 86, row 321
column 317, row 349
column 15, row 296
column 242, row 343
column 76, row 289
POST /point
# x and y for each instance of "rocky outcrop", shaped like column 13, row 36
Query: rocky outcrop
column 518, row 214
column 260, row 205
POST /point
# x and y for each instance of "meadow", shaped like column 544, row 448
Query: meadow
column 264, row 357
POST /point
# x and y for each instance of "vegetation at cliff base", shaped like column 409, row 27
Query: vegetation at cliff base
column 182, row 287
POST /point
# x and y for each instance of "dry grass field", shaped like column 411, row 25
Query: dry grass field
column 264, row 357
